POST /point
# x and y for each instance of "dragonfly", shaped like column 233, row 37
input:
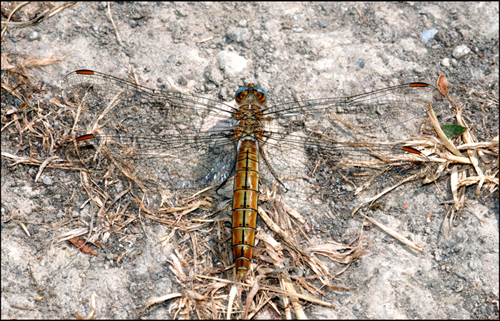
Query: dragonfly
column 197, row 142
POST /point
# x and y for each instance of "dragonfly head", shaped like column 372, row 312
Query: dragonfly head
column 251, row 91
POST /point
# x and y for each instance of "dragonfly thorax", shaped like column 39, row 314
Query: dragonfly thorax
column 251, row 131
column 249, row 111
column 249, row 126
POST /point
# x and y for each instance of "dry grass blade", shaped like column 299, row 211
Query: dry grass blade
column 446, row 142
column 10, row 16
column 72, row 234
column 44, row 15
column 297, row 295
column 232, row 295
column 261, row 305
column 93, row 306
column 113, row 23
column 454, row 185
column 297, row 307
column 21, row 64
column 42, row 62
column 393, row 233
column 467, row 137
column 24, row 228
column 177, row 269
column 294, row 214
column 387, row 190
column 268, row 239
column 282, row 234
column 251, row 295
column 35, row 162
column 161, row 299
column 273, row 248
column 478, row 145
column 338, row 252
column 43, row 165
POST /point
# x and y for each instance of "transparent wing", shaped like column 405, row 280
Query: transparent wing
column 182, row 140
column 307, row 140
column 187, row 141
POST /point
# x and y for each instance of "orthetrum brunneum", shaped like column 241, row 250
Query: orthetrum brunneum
column 197, row 142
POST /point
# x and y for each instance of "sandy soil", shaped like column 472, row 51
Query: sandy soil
column 316, row 50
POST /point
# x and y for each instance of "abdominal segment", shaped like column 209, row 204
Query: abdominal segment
column 245, row 201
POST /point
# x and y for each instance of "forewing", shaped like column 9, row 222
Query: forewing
column 184, row 141
column 307, row 139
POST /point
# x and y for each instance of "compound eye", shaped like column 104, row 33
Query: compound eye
column 239, row 91
column 261, row 91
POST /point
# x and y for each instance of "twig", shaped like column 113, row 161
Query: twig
column 205, row 40
column 114, row 26
column 362, row 17
column 10, row 15
column 44, row 164
column 160, row 299
column 297, row 295
column 415, row 176
column 392, row 233
column 471, row 47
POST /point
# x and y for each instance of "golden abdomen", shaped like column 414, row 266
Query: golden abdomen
column 245, row 201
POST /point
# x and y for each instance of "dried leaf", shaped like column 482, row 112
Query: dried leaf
column 442, row 85
column 79, row 243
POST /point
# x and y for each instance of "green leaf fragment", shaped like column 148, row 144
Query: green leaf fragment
column 452, row 130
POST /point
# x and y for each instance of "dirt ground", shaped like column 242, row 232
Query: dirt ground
column 313, row 49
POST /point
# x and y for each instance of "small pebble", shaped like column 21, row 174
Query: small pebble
column 232, row 63
column 33, row 36
column 213, row 74
column 428, row 34
column 360, row 64
column 238, row 34
column 460, row 51
column 47, row 181
column 322, row 24
column 446, row 62
column 242, row 23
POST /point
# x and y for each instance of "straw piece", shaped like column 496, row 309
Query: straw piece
column 160, row 299
column 232, row 296
column 297, row 295
column 447, row 143
column 44, row 164
column 393, row 233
